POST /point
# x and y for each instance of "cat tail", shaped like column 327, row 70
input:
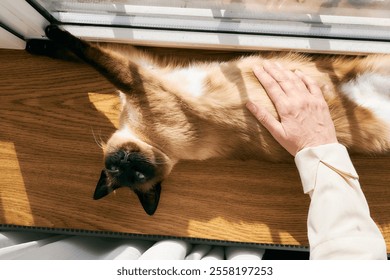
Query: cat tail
column 118, row 69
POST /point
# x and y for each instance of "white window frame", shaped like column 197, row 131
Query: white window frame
column 225, row 41
column 20, row 17
column 10, row 41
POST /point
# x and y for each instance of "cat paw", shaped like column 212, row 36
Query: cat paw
column 53, row 31
column 41, row 47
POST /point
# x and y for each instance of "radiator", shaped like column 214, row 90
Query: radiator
column 44, row 246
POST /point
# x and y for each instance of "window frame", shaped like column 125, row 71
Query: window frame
column 25, row 20
column 8, row 40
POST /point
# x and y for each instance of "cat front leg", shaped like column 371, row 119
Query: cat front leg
column 64, row 38
column 118, row 69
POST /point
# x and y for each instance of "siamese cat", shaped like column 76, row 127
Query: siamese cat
column 196, row 111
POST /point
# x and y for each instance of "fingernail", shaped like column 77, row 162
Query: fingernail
column 251, row 107
column 257, row 68
column 326, row 88
column 278, row 64
column 299, row 73
column 266, row 63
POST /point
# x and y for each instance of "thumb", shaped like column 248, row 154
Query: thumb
column 266, row 119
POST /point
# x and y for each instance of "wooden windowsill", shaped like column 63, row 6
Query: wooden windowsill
column 50, row 163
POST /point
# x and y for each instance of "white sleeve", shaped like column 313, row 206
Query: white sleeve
column 339, row 222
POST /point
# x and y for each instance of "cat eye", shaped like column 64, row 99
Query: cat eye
column 140, row 176
column 112, row 170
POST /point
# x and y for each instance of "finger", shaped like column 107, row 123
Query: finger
column 287, row 80
column 266, row 119
column 275, row 70
column 274, row 91
column 310, row 83
column 297, row 81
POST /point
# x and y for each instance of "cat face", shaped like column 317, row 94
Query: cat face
column 130, row 162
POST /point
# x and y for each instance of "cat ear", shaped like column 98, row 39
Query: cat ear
column 150, row 199
column 102, row 187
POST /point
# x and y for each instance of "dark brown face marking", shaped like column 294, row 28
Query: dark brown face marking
column 129, row 169
column 150, row 199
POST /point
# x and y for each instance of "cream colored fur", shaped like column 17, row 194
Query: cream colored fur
column 197, row 111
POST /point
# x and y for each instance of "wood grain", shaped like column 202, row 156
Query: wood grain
column 50, row 111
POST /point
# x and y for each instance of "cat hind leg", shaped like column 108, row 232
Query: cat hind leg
column 64, row 38
column 117, row 69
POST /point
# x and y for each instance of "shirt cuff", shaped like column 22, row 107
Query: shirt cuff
column 335, row 156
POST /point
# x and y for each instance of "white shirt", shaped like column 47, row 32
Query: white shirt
column 339, row 222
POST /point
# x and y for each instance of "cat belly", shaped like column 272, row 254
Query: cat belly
column 371, row 91
column 190, row 80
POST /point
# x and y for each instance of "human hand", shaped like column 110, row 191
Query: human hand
column 305, row 119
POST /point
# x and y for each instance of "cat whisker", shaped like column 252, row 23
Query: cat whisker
column 99, row 143
column 111, row 171
column 102, row 142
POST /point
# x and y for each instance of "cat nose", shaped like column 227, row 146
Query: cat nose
column 115, row 161
column 128, row 168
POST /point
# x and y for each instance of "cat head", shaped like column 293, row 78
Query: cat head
column 130, row 162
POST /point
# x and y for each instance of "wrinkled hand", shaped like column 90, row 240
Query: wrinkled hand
column 305, row 119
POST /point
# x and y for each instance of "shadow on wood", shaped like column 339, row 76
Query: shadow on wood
column 50, row 111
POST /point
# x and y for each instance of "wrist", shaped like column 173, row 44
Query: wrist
column 317, row 143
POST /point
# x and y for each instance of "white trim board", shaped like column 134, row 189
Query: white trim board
column 10, row 41
column 22, row 18
column 226, row 41
column 360, row 31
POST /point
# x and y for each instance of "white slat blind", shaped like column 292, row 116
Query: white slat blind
column 40, row 246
